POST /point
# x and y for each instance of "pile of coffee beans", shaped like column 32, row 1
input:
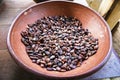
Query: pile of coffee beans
column 58, row 43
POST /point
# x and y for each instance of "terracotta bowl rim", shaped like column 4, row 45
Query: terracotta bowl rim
column 19, row 62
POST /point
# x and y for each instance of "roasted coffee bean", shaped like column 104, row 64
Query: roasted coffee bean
column 64, row 48
column 43, row 62
column 49, row 63
column 58, row 68
column 54, row 69
column 60, row 52
column 54, row 66
column 64, row 65
column 58, row 43
column 33, row 57
column 34, row 61
column 49, row 69
column 38, row 61
column 72, row 66
column 52, row 57
column 62, row 57
column 42, row 65
column 59, row 64
column 96, row 47
column 47, row 52
column 47, row 59
column 79, row 63
column 30, row 52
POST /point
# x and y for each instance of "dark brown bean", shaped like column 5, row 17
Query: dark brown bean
column 58, row 43
column 38, row 61
column 42, row 65
column 72, row 66
column 34, row 61
column 58, row 68
column 52, row 57
column 49, row 69
column 64, row 65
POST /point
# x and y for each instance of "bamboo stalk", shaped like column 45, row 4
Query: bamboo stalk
column 105, row 6
column 114, row 16
column 94, row 4
column 101, row 6
column 83, row 2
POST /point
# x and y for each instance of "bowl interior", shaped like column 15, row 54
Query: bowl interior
column 89, row 19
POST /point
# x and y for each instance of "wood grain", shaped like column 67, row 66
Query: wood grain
column 7, row 65
column 3, row 35
column 8, row 15
column 116, row 37
column 18, row 4
column 114, row 16
column 9, row 70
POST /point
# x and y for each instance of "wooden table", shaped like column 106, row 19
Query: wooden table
column 8, row 68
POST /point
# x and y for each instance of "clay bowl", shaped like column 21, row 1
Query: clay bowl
column 90, row 19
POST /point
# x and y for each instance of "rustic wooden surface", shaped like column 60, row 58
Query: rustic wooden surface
column 8, row 68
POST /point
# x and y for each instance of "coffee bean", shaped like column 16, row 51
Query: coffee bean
column 69, row 61
column 63, row 70
column 77, row 47
column 34, row 61
column 59, row 64
column 49, row 63
column 60, row 51
column 38, row 61
column 47, row 59
column 62, row 57
column 93, row 52
column 42, row 40
column 54, row 69
column 33, row 57
column 86, row 57
column 64, row 48
column 30, row 52
column 96, row 47
column 58, row 68
column 43, row 62
column 64, row 65
column 89, row 54
column 49, row 69
column 33, row 46
column 52, row 57
column 58, row 43
column 78, row 64
column 34, row 39
column 25, row 42
column 42, row 65
column 72, row 51
column 72, row 66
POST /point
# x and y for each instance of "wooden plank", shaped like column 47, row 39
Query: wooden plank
column 105, row 6
column 116, row 37
column 83, row 2
column 94, row 4
column 11, row 9
column 115, row 15
column 7, row 65
column 3, row 36
column 18, row 3
column 8, row 15
column 101, row 6
column 9, row 70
